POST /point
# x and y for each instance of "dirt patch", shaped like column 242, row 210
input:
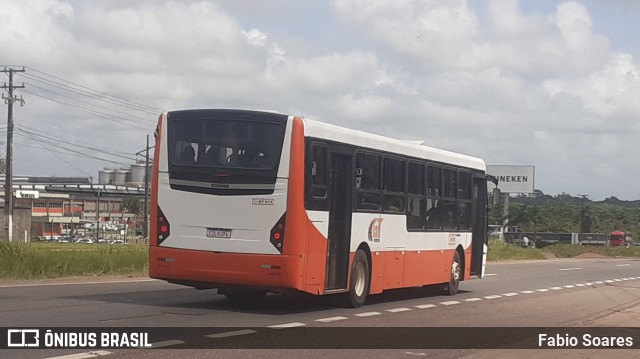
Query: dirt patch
column 549, row 255
column 590, row 255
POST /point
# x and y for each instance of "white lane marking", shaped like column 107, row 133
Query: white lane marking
column 473, row 299
column 166, row 343
column 287, row 325
column 79, row 283
column 580, row 285
column 331, row 319
column 418, row 354
column 607, row 281
column 493, row 297
column 617, row 280
column 86, row 355
column 510, row 294
column 569, row 286
column 398, row 310
column 425, row 306
column 555, row 288
column 367, row 314
column 451, row 302
column 623, row 265
column 542, row 290
column 527, row 291
column 626, row 278
column 576, row 268
column 231, row 334
column 599, row 282
column 490, row 275
column 589, row 283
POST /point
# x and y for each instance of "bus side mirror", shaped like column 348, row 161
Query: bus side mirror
column 496, row 197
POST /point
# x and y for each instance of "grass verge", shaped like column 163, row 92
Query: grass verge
column 499, row 251
column 50, row 260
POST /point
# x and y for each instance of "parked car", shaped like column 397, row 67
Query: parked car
column 117, row 241
column 65, row 239
column 84, row 240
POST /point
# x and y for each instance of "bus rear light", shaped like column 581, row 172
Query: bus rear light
column 277, row 234
column 164, row 229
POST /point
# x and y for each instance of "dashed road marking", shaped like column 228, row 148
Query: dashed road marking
column 617, row 280
column 580, row 285
column 555, row 288
column 623, row 265
column 589, row 283
column 367, row 314
column 598, row 282
column 493, row 297
column 287, row 325
column 331, row 319
column 607, row 281
column 425, row 306
column 473, row 299
column 451, row 302
column 231, row 334
column 398, row 310
column 510, row 294
column 565, row 269
column 527, row 291
column 569, row 286
column 542, row 290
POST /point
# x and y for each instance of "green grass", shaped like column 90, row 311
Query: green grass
column 569, row 250
column 499, row 250
column 53, row 260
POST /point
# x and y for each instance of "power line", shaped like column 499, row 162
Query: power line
column 149, row 108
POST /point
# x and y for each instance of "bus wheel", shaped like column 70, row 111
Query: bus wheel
column 456, row 273
column 360, row 279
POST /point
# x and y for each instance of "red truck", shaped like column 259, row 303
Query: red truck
column 617, row 238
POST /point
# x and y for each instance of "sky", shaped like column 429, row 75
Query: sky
column 553, row 84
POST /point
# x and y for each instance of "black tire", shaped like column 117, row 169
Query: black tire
column 451, row 288
column 360, row 279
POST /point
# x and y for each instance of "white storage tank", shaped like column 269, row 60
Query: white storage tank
column 120, row 177
column 137, row 174
column 105, row 176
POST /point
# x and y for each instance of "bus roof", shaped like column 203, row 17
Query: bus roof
column 407, row 147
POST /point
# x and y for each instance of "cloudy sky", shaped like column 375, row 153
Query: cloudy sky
column 554, row 84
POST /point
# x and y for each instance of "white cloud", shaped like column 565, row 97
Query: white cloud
column 483, row 78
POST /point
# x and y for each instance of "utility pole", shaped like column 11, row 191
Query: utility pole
column 145, row 229
column 8, row 186
column 582, row 211
column 98, row 216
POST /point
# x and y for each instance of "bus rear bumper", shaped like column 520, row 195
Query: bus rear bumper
column 203, row 269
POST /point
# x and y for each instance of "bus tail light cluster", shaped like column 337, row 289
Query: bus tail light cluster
column 277, row 234
column 164, row 229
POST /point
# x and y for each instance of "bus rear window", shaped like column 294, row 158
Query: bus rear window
column 231, row 144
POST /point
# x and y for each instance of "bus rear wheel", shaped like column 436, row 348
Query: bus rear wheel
column 451, row 288
column 360, row 279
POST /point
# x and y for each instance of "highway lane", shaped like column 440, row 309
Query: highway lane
column 512, row 289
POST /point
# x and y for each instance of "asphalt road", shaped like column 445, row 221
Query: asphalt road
column 553, row 293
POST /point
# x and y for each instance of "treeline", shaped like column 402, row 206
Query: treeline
column 565, row 213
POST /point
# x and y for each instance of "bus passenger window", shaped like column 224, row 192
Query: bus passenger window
column 187, row 156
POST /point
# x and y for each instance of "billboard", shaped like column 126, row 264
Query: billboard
column 513, row 178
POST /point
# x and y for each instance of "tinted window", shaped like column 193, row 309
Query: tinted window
column 368, row 172
column 433, row 180
column 449, row 182
column 225, row 143
column 416, row 178
column 319, row 171
column 393, row 175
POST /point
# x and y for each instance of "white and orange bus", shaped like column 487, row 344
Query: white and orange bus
column 253, row 202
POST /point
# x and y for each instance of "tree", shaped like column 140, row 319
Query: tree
column 132, row 205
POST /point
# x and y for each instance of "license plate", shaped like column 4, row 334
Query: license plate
column 218, row 233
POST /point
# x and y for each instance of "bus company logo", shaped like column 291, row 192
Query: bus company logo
column 374, row 230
